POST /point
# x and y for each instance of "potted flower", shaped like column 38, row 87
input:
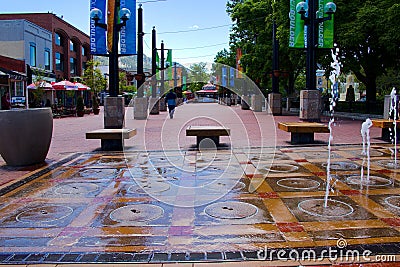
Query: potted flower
column 95, row 105
column 80, row 107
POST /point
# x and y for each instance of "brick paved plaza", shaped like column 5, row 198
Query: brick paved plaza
column 255, row 201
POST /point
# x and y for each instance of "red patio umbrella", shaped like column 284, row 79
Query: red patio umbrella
column 82, row 86
column 42, row 84
column 65, row 85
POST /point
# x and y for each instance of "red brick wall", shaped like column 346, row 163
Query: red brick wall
column 12, row 64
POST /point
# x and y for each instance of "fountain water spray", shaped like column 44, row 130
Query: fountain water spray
column 365, row 150
column 393, row 110
column 333, row 77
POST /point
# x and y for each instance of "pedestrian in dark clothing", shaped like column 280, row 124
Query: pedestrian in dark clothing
column 5, row 101
column 170, row 98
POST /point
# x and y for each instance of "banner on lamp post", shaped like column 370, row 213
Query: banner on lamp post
column 231, row 77
column 239, row 67
column 325, row 29
column 224, row 76
column 158, row 74
column 98, row 34
column 296, row 28
column 128, row 32
column 169, row 64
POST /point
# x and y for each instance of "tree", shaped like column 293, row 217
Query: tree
column 367, row 35
column 123, row 81
column 198, row 76
column 252, row 32
column 93, row 77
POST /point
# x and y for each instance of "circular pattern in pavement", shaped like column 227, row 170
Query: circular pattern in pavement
column 393, row 201
column 44, row 214
column 368, row 181
column 283, row 168
column 76, row 188
column 334, row 208
column 136, row 213
column 231, row 210
column 149, row 188
column 298, row 183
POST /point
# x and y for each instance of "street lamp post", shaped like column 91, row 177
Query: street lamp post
column 308, row 13
column 310, row 99
column 114, row 108
column 124, row 15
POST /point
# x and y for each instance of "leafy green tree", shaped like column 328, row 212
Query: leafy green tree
column 366, row 33
column 198, row 76
column 252, row 32
column 368, row 36
column 93, row 77
column 123, row 84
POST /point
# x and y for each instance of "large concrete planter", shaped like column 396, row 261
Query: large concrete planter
column 25, row 135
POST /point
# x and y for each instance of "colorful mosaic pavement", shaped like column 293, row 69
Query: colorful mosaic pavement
column 241, row 204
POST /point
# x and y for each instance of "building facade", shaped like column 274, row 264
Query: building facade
column 13, row 78
column 69, row 49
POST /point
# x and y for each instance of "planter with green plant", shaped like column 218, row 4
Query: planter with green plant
column 80, row 107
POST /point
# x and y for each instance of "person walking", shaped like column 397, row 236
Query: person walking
column 5, row 101
column 171, row 102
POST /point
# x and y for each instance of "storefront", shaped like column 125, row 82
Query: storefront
column 14, row 83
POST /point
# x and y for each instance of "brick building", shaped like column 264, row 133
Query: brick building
column 70, row 46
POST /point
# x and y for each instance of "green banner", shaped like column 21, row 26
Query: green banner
column 183, row 83
column 296, row 31
column 169, row 64
column 325, row 29
column 158, row 76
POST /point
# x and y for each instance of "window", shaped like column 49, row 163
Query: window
column 83, row 51
column 19, row 88
column 58, row 39
column 59, row 62
column 71, row 46
column 47, row 59
column 84, row 65
column 72, row 65
column 32, row 54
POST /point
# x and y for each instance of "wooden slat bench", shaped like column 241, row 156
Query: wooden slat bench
column 302, row 132
column 111, row 139
column 386, row 124
column 211, row 132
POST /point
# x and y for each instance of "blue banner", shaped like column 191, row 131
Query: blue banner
column 231, row 77
column 98, row 34
column 128, row 33
column 224, row 77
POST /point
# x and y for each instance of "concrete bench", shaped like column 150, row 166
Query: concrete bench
column 386, row 124
column 111, row 139
column 211, row 132
column 302, row 132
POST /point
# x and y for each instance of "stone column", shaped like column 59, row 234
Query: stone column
column 154, row 105
column 257, row 103
column 310, row 105
column 163, row 106
column 114, row 118
column 275, row 103
column 140, row 108
column 245, row 102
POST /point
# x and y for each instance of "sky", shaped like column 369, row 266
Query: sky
column 196, row 30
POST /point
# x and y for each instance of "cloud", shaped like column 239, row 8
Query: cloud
column 195, row 27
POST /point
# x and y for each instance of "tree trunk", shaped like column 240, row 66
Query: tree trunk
column 371, row 92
